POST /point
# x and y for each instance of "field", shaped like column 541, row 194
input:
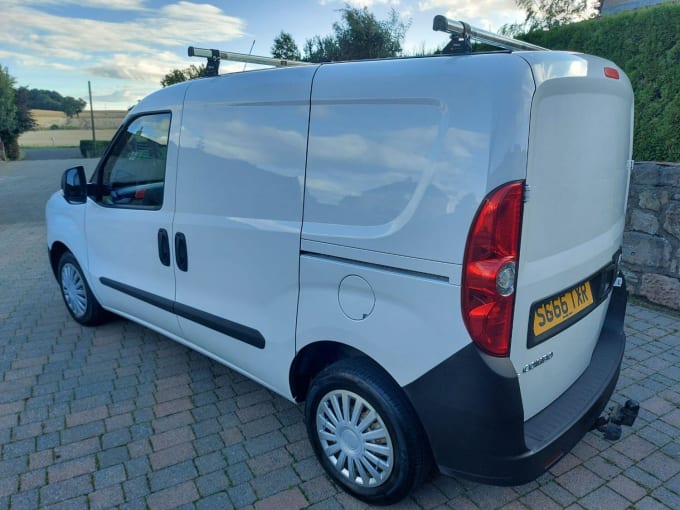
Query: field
column 55, row 129
column 62, row 137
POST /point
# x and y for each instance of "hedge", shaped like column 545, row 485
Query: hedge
column 645, row 43
column 86, row 148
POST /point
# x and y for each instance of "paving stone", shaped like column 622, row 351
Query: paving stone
column 65, row 490
column 212, row 483
column 70, row 469
column 537, row 499
column 604, row 498
column 219, row 501
column 579, row 481
column 627, row 488
column 649, row 503
column 173, row 496
column 210, row 462
column 136, row 488
column 172, row 475
column 274, row 481
column 291, row 499
column 109, row 476
column 321, row 488
column 241, row 495
column 642, row 477
column 239, row 473
column 107, row 497
column 25, row 500
column 172, row 455
column 667, row 497
column 660, row 465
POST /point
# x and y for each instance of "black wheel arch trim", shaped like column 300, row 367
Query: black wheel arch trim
column 235, row 330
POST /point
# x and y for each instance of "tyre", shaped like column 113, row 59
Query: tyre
column 365, row 432
column 79, row 300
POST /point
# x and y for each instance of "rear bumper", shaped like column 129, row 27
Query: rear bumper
column 474, row 420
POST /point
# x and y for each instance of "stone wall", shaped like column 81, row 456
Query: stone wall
column 651, row 242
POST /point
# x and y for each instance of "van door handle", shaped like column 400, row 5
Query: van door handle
column 181, row 252
column 163, row 247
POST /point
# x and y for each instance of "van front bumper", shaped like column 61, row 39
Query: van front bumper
column 474, row 418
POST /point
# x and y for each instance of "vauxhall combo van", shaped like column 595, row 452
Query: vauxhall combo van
column 423, row 250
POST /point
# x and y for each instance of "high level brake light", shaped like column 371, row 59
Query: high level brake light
column 489, row 269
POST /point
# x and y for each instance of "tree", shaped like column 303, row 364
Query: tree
column 15, row 115
column 359, row 35
column 25, row 121
column 547, row 14
column 284, row 47
column 72, row 106
column 179, row 75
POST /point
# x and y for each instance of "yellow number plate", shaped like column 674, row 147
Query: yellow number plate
column 561, row 308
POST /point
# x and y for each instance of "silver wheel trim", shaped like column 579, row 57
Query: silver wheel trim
column 73, row 289
column 354, row 438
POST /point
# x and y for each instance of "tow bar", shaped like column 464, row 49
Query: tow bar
column 610, row 423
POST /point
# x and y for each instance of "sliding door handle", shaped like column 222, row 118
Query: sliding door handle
column 163, row 247
column 181, row 256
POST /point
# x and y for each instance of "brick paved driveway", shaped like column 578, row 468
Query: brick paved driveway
column 121, row 417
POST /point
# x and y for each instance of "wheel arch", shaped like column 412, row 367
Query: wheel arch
column 56, row 251
column 316, row 356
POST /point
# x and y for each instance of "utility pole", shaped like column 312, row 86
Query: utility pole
column 94, row 139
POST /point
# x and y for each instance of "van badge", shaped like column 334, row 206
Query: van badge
column 537, row 362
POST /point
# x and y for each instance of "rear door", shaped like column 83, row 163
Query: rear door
column 238, row 218
column 577, row 178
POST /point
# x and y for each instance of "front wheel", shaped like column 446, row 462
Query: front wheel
column 79, row 300
column 365, row 432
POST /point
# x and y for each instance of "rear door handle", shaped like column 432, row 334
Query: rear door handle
column 181, row 256
column 163, row 247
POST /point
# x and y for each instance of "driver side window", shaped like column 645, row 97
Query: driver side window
column 133, row 175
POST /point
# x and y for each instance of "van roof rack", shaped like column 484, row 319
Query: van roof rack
column 461, row 33
column 214, row 56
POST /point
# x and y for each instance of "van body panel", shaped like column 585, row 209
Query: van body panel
column 404, row 322
column 402, row 152
column 242, row 162
column 577, row 175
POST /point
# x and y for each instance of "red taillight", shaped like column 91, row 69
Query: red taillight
column 610, row 72
column 491, row 255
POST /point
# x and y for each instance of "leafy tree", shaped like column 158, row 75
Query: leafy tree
column 359, row 35
column 8, row 107
column 15, row 115
column 547, row 14
column 179, row 75
column 284, row 47
column 72, row 106
column 25, row 121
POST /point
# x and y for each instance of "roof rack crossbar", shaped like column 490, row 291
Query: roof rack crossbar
column 214, row 56
column 459, row 28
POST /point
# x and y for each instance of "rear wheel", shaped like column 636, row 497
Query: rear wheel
column 79, row 300
column 365, row 432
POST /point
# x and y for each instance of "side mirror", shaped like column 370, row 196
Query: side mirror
column 74, row 185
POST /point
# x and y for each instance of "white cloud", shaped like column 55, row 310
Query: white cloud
column 465, row 9
column 142, row 48
column 114, row 5
column 362, row 3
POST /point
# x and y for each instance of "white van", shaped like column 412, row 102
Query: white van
column 425, row 250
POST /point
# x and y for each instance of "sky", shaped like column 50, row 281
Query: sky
column 125, row 47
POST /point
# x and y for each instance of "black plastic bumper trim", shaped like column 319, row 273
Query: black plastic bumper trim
column 474, row 417
column 233, row 329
